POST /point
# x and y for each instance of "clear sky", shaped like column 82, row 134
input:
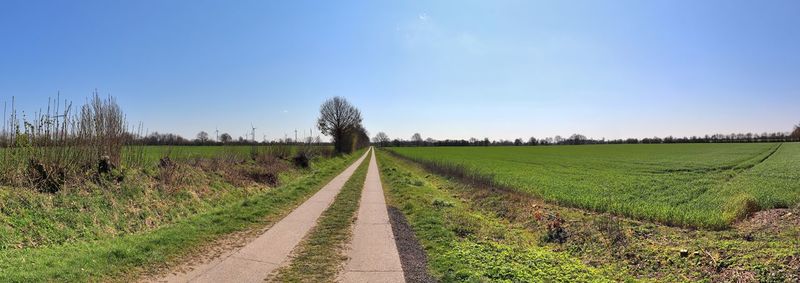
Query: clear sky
column 446, row 69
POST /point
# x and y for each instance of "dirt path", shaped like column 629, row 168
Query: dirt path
column 271, row 250
column 373, row 251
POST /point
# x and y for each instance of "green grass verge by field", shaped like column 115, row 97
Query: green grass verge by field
column 464, row 245
column 119, row 258
column 320, row 255
column 701, row 185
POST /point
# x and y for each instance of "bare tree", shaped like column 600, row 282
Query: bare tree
column 225, row 138
column 339, row 119
column 417, row 139
column 382, row 139
column 796, row 132
column 202, row 137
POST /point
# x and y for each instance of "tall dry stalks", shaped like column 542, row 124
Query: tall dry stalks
column 56, row 146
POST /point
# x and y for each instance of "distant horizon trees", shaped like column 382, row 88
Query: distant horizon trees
column 202, row 137
column 225, row 138
column 579, row 139
column 381, row 139
column 417, row 139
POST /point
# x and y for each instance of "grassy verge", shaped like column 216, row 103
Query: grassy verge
column 320, row 254
column 119, row 258
column 465, row 245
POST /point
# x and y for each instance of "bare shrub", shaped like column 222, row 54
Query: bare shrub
column 46, row 180
column 301, row 159
column 324, row 151
column 263, row 176
column 57, row 145
column 556, row 232
column 167, row 173
column 277, row 151
column 612, row 230
column 101, row 127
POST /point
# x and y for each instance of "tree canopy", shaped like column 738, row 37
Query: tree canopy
column 342, row 121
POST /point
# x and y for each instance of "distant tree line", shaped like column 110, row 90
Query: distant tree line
column 203, row 139
column 338, row 119
column 577, row 139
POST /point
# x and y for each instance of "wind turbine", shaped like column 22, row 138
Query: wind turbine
column 253, row 133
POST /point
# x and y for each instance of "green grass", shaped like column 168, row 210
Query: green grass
column 30, row 219
column 320, row 254
column 701, row 185
column 121, row 257
column 464, row 245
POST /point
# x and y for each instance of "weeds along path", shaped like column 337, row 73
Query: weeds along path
column 271, row 250
column 373, row 255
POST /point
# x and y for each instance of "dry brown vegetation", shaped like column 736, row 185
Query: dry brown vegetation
column 61, row 145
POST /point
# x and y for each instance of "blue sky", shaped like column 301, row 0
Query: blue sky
column 446, row 69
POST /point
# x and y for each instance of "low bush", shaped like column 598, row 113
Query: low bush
column 440, row 203
column 556, row 232
column 612, row 231
column 301, row 159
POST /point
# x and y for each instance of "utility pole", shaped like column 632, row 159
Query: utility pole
column 295, row 135
column 217, row 131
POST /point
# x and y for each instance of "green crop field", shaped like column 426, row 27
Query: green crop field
column 700, row 185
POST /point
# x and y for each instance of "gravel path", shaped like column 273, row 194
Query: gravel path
column 271, row 250
column 412, row 255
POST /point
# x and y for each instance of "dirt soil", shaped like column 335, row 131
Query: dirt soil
column 771, row 220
